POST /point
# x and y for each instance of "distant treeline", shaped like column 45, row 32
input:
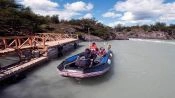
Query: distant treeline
column 158, row 26
column 15, row 19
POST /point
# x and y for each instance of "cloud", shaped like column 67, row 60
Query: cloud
column 138, row 12
column 144, row 9
column 78, row 6
column 111, row 15
column 167, row 17
column 113, row 24
column 169, row 12
column 130, row 23
column 48, row 7
column 127, row 16
column 100, row 21
column 38, row 5
column 63, row 14
column 88, row 16
column 138, row 5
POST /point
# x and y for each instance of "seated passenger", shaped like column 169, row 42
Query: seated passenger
column 102, row 52
column 94, row 50
column 93, row 46
column 87, row 60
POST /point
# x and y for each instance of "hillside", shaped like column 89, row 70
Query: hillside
column 16, row 19
column 119, row 33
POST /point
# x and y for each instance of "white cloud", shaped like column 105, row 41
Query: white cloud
column 130, row 23
column 138, row 5
column 138, row 12
column 167, row 17
column 144, row 9
column 113, row 24
column 78, row 6
column 127, row 16
column 111, row 15
column 63, row 14
column 169, row 12
column 38, row 5
column 48, row 7
column 88, row 16
column 100, row 21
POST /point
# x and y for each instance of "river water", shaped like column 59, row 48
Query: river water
column 141, row 69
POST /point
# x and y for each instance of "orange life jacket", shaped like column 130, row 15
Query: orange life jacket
column 93, row 47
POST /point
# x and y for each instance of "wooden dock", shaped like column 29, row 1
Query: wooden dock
column 20, row 68
column 43, row 41
column 61, row 42
column 48, row 44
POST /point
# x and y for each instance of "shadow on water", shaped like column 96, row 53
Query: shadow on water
column 19, row 77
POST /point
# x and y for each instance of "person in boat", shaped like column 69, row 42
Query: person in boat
column 102, row 52
column 93, row 46
column 85, row 59
column 94, row 50
column 109, row 47
column 94, row 54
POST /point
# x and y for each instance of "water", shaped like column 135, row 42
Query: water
column 8, row 60
column 140, row 70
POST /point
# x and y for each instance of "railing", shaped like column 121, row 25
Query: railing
column 57, row 36
column 38, row 40
column 19, row 42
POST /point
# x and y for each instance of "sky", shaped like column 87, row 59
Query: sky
column 108, row 12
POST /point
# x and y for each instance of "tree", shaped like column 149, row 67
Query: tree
column 55, row 19
column 6, row 4
column 16, row 18
column 119, row 28
column 160, row 26
column 145, row 27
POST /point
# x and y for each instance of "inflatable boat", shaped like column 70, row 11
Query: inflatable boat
column 68, row 67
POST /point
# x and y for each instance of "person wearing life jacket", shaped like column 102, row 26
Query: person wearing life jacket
column 93, row 46
column 102, row 51
column 94, row 50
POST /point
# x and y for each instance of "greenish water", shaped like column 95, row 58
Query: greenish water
column 140, row 70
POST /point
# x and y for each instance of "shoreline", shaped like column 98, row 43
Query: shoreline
column 128, row 39
column 85, row 37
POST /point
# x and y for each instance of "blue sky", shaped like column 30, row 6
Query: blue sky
column 109, row 12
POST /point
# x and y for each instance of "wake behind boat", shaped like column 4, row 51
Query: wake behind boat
column 69, row 68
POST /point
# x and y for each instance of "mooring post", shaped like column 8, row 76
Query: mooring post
column 5, row 43
column 60, row 50
column 19, row 42
column 16, row 43
column 75, row 45
column 44, row 41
